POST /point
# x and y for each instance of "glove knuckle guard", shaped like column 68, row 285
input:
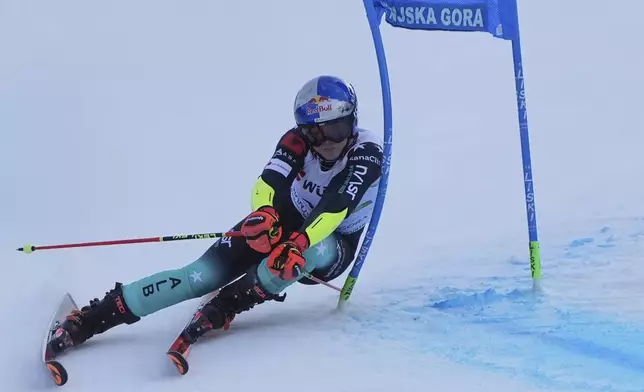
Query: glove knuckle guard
column 286, row 262
column 262, row 229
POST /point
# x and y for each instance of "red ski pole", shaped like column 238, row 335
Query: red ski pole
column 181, row 237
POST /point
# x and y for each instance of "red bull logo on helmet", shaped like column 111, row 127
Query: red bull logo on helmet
column 318, row 99
column 318, row 104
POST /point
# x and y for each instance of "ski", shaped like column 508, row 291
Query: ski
column 177, row 352
column 180, row 348
column 49, row 356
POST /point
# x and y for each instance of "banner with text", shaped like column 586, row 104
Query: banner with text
column 497, row 17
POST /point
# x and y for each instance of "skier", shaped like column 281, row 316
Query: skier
column 310, row 206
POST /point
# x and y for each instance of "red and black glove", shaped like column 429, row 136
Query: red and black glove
column 286, row 260
column 262, row 229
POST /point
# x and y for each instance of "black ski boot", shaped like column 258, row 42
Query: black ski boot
column 241, row 295
column 96, row 318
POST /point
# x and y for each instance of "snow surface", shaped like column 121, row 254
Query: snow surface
column 132, row 119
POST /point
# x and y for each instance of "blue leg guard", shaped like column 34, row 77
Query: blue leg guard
column 167, row 288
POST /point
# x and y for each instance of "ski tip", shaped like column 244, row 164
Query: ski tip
column 58, row 372
column 179, row 362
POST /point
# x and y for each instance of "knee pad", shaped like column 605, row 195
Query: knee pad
column 322, row 255
column 331, row 259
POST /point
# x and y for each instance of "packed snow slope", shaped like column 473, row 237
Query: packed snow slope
column 128, row 119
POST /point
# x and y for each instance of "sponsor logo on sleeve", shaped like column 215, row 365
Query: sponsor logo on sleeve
column 279, row 166
column 284, row 154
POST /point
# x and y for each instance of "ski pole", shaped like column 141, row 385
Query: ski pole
column 180, row 237
column 320, row 281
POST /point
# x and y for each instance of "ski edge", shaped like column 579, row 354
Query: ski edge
column 179, row 349
column 56, row 370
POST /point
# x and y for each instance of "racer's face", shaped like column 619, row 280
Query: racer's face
column 330, row 138
column 331, row 150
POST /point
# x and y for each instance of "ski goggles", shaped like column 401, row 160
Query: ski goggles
column 336, row 131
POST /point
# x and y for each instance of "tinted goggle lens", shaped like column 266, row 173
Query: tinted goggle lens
column 336, row 131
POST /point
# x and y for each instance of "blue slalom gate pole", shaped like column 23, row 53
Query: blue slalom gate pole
column 350, row 282
column 496, row 17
